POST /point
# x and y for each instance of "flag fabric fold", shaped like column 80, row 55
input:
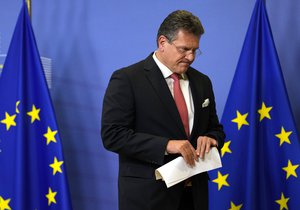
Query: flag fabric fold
column 33, row 174
column 261, row 154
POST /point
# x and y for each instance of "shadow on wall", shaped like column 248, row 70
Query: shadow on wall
column 77, row 98
column 286, row 31
column 293, row 53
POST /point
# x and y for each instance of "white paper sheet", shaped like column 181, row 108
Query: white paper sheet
column 177, row 170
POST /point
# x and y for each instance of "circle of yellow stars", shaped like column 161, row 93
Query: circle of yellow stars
column 10, row 121
column 283, row 136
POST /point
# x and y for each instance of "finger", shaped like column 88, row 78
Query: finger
column 187, row 158
column 195, row 156
column 188, row 154
column 214, row 143
column 183, row 152
column 199, row 144
column 202, row 150
column 208, row 144
column 192, row 155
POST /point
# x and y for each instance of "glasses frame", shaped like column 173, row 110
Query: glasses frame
column 186, row 51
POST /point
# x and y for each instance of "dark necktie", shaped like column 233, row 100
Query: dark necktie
column 180, row 103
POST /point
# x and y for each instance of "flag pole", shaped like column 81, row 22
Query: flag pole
column 29, row 7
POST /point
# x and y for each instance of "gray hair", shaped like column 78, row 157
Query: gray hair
column 180, row 20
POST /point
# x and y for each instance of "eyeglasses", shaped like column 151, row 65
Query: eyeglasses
column 187, row 51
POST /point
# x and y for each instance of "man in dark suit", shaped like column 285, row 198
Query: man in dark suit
column 156, row 110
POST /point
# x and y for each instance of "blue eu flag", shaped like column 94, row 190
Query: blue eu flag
column 32, row 167
column 261, row 155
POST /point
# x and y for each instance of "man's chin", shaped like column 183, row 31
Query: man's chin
column 182, row 69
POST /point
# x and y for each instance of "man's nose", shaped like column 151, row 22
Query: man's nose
column 190, row 56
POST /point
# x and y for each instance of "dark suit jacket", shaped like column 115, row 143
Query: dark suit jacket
column 139, row 117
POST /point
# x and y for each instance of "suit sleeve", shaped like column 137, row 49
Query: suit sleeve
column 118, row 124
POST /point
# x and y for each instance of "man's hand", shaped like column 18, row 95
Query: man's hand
column 204, row 143
column 184, row 148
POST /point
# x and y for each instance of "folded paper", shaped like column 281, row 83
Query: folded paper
column 178, row 170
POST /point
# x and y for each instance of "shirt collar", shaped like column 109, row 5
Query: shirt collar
column 164, row 69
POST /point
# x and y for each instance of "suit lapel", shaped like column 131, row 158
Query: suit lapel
column 161, row 88
column 197, row 94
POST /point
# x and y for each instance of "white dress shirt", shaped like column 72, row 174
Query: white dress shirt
column 185, row 88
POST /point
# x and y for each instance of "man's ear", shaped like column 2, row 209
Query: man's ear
column 162, row 41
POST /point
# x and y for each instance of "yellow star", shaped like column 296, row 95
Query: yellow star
column 225, row 148
column 283, row 202
column 9, row 120
column 50, row 135
column 290, row 169
column 4, row 204
column 56, row 166
column 264, row 112
column 221, row 180
column 51, row 197
column 34, row 114
column 240, row 119
column 234, row 207
column 17, row 107
column 284, row 136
